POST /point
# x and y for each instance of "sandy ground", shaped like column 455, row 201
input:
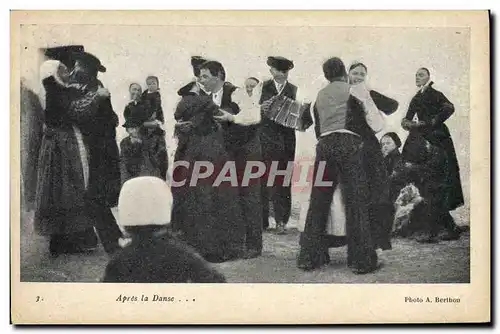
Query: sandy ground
column 407, row 262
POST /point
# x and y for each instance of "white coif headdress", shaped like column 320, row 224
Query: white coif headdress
column 145, row 200
column 50, row 68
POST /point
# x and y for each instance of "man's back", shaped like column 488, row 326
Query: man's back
column 332, row 107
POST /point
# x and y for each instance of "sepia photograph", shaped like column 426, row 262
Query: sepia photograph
column 250, row 152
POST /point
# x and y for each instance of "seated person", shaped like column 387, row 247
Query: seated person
column 153, row 255
column 390, row 144
column 424, row 168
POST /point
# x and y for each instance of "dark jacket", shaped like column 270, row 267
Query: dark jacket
column 160, row 259
column 152, row 105
column 188, row 89
column 135, row 108
column 393, row 161
column 195, row 111
column 278, row 142
column 97, row 121
column 268, row 91
column 433, row 109
column 199, row 110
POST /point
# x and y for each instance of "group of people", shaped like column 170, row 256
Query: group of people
column 219, row 122
column 374, row 177
column 144, row 151
column 81, row 170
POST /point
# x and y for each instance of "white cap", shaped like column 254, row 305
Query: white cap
column 144, row 200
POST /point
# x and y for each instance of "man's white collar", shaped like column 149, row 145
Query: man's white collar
column 219, row 91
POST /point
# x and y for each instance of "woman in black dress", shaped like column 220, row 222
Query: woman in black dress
column 376, row 173
column 432, row 109
column 207, row 216
column 61, row 211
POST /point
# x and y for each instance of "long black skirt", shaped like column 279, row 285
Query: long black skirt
column 208, row 216
column 62, row 212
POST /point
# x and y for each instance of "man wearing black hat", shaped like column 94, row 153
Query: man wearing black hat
column 98, row 123
column 278, row 143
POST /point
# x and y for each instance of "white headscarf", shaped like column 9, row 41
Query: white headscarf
column 50, row 68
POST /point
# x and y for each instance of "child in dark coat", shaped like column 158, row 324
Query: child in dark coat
column 144, row 151
column 152, row 99
column 153, row 254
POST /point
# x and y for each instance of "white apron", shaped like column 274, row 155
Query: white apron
column 336, row 223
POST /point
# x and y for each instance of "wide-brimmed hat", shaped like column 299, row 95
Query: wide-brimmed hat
column 280, row 63
column 143, row 201
column 90, row 60
column 64, row 53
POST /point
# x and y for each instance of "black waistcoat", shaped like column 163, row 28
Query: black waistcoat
column 268, row 91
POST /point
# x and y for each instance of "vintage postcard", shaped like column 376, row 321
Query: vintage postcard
column 250, row 167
